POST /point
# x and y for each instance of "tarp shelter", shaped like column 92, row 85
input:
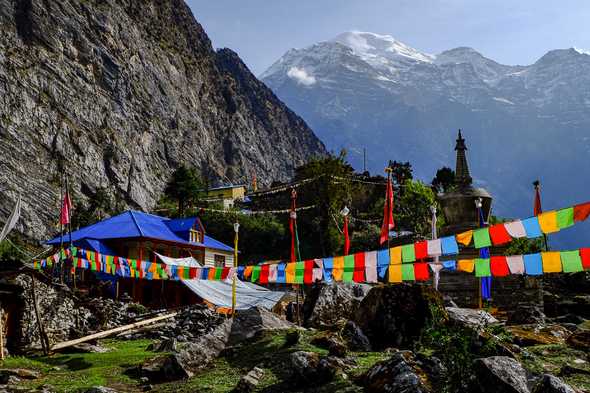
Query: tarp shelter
column 248, row 295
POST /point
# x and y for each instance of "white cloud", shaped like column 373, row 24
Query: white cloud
column 301, row 76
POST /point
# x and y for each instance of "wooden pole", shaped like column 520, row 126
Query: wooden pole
column 1, row 337
column 42, row 335
column 234, row 283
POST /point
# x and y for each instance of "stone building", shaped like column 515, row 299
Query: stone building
column 461, row 214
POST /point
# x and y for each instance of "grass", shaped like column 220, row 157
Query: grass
column 79, row 371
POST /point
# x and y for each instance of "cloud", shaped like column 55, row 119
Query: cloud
column 301, row 76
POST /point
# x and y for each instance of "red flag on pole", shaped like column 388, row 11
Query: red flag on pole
column 388, row 223
column 346, row 238
column 66, row 210
column 537, row 206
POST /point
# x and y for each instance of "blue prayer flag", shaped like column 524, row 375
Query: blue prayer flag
column 532, row 228
column 450, row 265
column 328, row 266
column 533, row 264
column 449, row 245
column 281, row 278
column 383, row 259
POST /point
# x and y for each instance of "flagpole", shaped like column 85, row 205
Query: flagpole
column 234, row 284
column 61, row 243
column 69, row 226
column 388, row 170
column 537, row 209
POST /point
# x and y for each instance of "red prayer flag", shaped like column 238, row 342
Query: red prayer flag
column 421, row 250
column 359, row 267
column 499, row 234
column 308, row 272
column 263, row 279
column 421, row 272
column 346, row 238
column 585, row 254
column 499, row 266
column 225, row 273
column 537, row 206
column 388, row 223
column 192, row 273
column 581, row 211
column 66, row 210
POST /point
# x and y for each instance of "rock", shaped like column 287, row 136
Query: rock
column 552, row 384
column 475, row 319
column 355, row 338
column 292, row 338
column 332, row 343
column 395, row 315
column 327, row 304
column 500, row 374
column 169, row 345
column 580, row 340
column 250, row 381
column 400, row 373
column 100, row 389
column 20, row 373
column 529, row 335
column 247, row 324
column 569, row 318
column 308, row 368
column 526, row 313
column 88, row 348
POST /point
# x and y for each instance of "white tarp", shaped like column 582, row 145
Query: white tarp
column 189, row 261
column 248, row 295
column 11, row 222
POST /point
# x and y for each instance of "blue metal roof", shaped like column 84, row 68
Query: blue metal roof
column 135, row 224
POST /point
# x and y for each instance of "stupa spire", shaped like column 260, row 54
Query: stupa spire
column 462, row 176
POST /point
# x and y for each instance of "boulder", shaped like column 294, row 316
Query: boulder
column 580, row 340
column 309, row 368
column 500, row 374
column 475, row 319
column 20, row 373
column 355, row 338
column 326, row 304
column 250, row 381
column 552, row 384
column 249, row 323
column 332, row 343
column 526, row 313
column 529, row 335
column 100, row 389
column 395, row 315
column 401, row 373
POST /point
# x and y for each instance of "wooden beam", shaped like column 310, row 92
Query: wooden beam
column 111, row 332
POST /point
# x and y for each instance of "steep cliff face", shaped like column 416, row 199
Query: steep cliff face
column 120, row 92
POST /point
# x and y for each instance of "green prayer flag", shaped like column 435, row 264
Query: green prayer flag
column 482, row 267
column 348, row 274
column 218, row 272
column 481, row 238
column 571, row 262
column 255, row 273
column 565, row 218
column 408, row 254
column 408, row 272
column 299, row 272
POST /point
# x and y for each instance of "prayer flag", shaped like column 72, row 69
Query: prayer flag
column 382, row 262
column 308, row 271
column 348, row 268
column 585, row 254
column 533, row 264
column 465, row 238
column 466, row 265
column 537, row 209
column 255, row 273
column 299, row 272
column 499, row 234
column 571, row 262
column 434, row 248
column 449, row 245
column 515, row 229
column 551, row 262
column 290, row 273
column 211, row 276
column 408, row 254
column 581, row 211
column 318, row 270
column 359, row 267
column 395, row 273
column 66, row 210
column 515, row 264
column 248, row 272
column 388, row 223
column 281, row 276
column 481, row 238
column 241, row 272
column 338, row 270
column 482, row 267
column 193, row 273
column 408, row 272
column 421, row 250
column 450, row 265
column 421, row 271
column 395, row 256
column 272, row 273
column 346, row 238
column 371, row 267
column 264, row 272
column 328, row 266
column 565, row 218
column 499, row 266
column 532, row 228
column 548, row 222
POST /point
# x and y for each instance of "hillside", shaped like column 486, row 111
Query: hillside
column 120, row 92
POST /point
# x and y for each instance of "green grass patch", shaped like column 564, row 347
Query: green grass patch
column 79, row 371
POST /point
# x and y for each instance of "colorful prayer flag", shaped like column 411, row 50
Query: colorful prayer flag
column 395, row 273
column 571, row 262
column 533, row 265
column 499, row 266
column 551, row 262
column 264, row 271
column 338, row 270
column 532, row 228
column 581, row 211
column 481, row 238
column 408, row 272
column 382, row 262
column 308, row 271
column 464, row 238
column 290, row 273
column 548, row 222
column 565, row 218
column 299, row 272
column 408, row 254
column 585, row 255
column 466, row 265
column 449, row 265
column 515, row 264
column 328, row 266
column 359, row 267
column 421, row 272
column 434, row 248
column 348, row 268
column 515, row 229
column 499, row 234
column 371, row 267
column 255, row 273
column 449, row 245
column 482, row 267
column 421, row 250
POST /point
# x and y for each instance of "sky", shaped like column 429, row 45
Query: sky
column 508, row 31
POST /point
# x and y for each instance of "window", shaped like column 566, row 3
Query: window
column 219, row 260
column 194, row 236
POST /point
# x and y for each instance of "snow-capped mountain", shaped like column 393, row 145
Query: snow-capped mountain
column 364, row 90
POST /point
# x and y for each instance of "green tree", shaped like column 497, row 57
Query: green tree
column 185, row 186
column 444, row 180
column 401, row 171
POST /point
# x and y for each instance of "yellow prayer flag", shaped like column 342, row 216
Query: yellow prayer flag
column 464, row 238
column 551, row 262
column 247, row 271
column 290, row 273
column 395, row 272
column 338, row 268
column 395, row 256
column 548, row 222
column 466, row 265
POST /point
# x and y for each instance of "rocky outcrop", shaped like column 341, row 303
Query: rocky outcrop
column 395, row 315
column 474, row 319
column 249, row 323
column 326, row 304
column 552, row 384
column 120, row 93
column 500, row 374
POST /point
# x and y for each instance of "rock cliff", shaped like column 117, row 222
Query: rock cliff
column 120, row 92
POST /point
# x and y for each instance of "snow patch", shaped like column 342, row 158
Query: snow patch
column 503, row 100
column 582, row 51
column 301, row 76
